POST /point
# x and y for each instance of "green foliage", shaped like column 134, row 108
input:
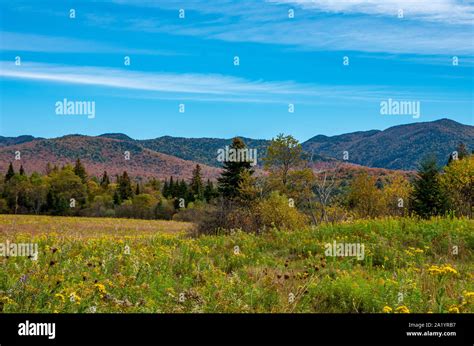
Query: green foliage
column 276, row 211
column 364, row 196
column 124, row 187
column 231, row 176
column 65, row 185
column 171, row 272
column 80, row 171
column 210, row 192
column 105, row 181
column 196, row 186
column 10, row 173
column 283, row 154
column 165, row 209
column 458, row 182
column 428, row 198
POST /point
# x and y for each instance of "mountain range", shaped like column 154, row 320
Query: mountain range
column 396, row 148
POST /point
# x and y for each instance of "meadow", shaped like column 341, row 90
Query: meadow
column 88, row 265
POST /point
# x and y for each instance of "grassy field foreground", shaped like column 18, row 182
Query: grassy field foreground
column 110, row 265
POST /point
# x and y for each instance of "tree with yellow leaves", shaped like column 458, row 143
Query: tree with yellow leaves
column 458, row 182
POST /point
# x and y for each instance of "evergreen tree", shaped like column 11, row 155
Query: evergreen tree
column 428, row 199
column 117, row 199
column 137, row 190
column 196, row 186
column 80, row 170
column 22, row 170
column 166, row 189
column 105, row 181
column 172, row 188
column 228, row 182
column 125, row 187
column 209, row 191
column 10, row 172
column 183, row 190
column 50, row 201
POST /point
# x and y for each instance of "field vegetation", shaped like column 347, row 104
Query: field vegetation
column 89, row 266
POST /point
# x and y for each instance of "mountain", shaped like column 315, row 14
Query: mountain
column 99, row 154
column 120, row 136
column 398, row 147
column 202, row 150
column 6, row 141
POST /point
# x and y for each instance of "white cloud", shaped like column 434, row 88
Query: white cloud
column 449, row 11
column 428, row 28
column 211, row 87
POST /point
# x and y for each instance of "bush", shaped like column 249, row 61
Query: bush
column 164, row 209
column 3, row 206
column 195, row 212
column 275, row 211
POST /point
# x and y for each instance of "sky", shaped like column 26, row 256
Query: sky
column 331, row 62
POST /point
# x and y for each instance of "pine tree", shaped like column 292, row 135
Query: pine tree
column 172, row 188
column 228, row 182
column 10, row 172
column 50, row 201
column 22, row 170
column 105, row 181
column 125, row 187
column 117, row 199
column 428, row 199
column 196, row 185
column 166, row 189
column 80, row 170
column 209, row 191
column 137, row 190
column 183, row 190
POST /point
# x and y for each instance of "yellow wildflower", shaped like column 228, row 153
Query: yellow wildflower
column 101, row 289
column 387, row 309
column 453, row 309
column 444, row 269
column 73, row 297
column 60, row 296
column 469, row 296
column 402, row 309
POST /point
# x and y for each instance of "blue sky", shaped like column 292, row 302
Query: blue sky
column 190, row 61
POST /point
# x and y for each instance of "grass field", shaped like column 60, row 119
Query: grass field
column 115, row 265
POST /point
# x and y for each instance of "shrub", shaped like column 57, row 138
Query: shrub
column 164, row 209
column 275, row 211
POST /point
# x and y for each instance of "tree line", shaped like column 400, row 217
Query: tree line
column 287, row 193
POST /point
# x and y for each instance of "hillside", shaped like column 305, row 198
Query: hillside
column 99, row 154
column 398, row 147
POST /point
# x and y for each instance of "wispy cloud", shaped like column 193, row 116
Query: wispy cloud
column 446, row 11
column 203, row 87
column 428, row 27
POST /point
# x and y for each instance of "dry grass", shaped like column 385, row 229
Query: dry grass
column 86, row 227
